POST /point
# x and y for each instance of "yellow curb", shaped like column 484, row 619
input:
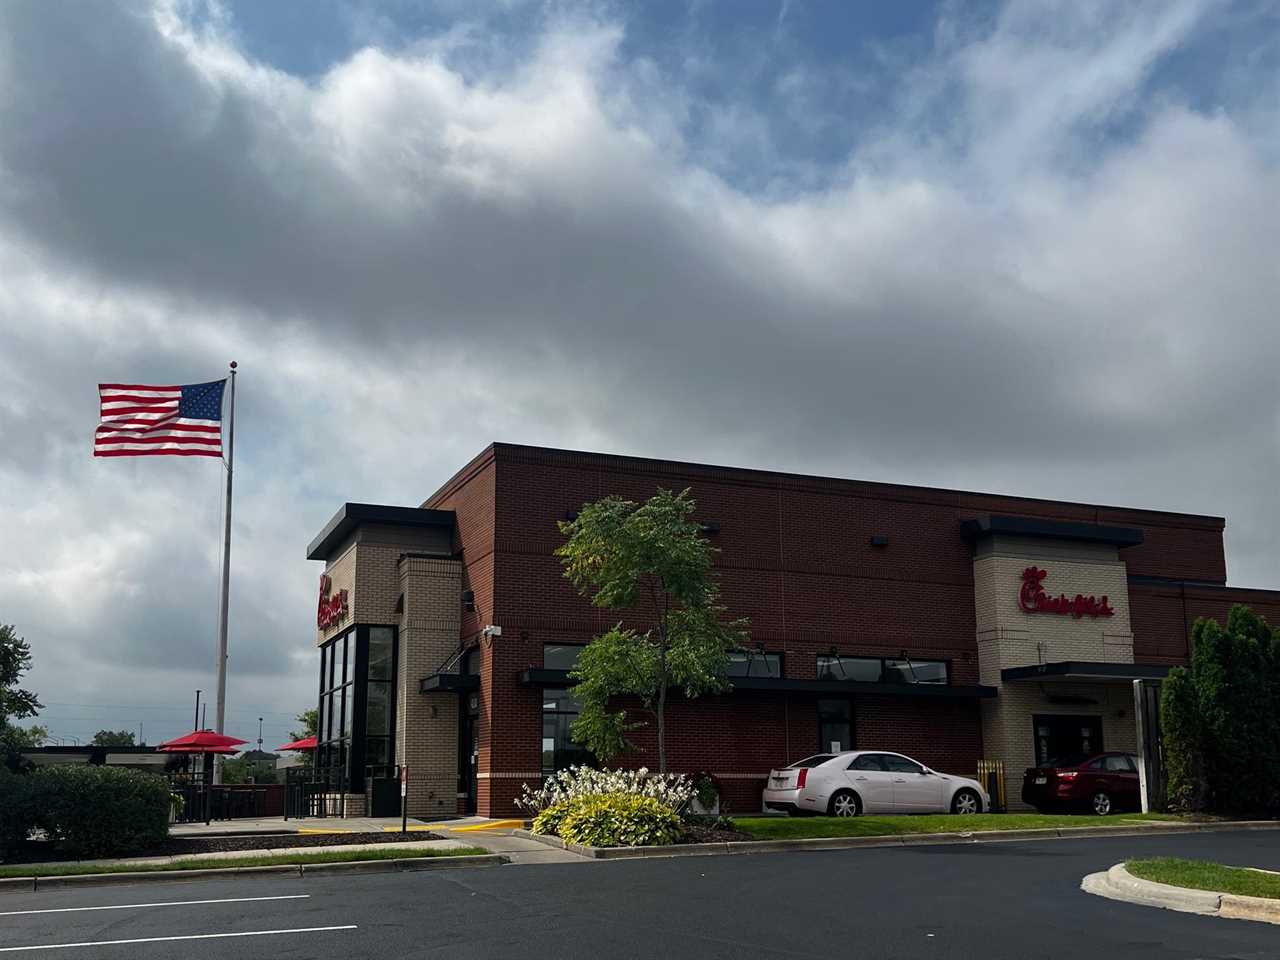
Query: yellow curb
column 321, row 831
column 495, row 825
column 410, row 829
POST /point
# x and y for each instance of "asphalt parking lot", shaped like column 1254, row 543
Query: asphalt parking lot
column 996, row 900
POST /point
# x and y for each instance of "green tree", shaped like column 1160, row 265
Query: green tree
column 1183, row 751
column 650, row 559
column 32, row 736
column 113, row 738
column 1220, row 718
column 15, row 702
column 309, row 720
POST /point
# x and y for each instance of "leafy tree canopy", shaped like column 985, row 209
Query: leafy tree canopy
column 15, row 702
column 113, row 738
column 651, row 559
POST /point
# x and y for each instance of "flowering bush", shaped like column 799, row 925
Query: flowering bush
column 620, row 820
column 547, row 822
column 672, row 790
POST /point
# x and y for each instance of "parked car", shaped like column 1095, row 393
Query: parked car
column 869, row 781
column 1101, row 782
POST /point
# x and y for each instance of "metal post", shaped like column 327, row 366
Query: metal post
column 195, row 722
column 220, row 718
column 404, row 798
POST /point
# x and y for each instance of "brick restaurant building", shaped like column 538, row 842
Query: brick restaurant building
column 949, row 626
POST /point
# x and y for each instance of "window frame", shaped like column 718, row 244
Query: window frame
column 751, row 656
column 343, row 703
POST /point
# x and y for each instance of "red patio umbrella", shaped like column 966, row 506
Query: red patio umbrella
column 202, row 741
column 306, row 743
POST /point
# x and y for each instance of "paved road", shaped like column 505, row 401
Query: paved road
column 988, row 901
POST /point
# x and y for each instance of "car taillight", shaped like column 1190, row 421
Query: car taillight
column 800, row 777
column 1067, row 774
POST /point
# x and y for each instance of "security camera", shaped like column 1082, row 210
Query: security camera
column 492, row 631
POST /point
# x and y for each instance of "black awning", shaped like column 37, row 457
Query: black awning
column 1085, row 670
column 449, row 683
column 560, row 678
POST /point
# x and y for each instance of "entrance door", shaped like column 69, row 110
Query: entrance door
column 1059, row 737
column 468, row 751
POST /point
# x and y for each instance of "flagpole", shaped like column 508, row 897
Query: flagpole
column 226, row 575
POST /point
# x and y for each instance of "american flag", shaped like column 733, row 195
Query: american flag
column 139, row 420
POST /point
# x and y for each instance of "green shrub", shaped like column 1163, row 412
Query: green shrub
column 16, row 817
column 547, row 822
column 620, row 821
column 100, row 811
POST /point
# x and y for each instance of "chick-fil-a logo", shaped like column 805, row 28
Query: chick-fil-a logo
column 332, row 607
column 1033, row 599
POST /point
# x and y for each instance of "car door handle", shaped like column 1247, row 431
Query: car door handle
column 859, row 778
column 899, row 779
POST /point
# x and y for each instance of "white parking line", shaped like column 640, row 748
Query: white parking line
column 193, row 936
column 165, row 903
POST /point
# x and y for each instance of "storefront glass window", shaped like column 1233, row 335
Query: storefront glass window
column 356, row 723
column 748, row 663
column 559, row 710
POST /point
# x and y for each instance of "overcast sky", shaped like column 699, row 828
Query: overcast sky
column 1028, row 248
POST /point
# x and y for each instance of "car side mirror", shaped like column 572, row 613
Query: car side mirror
column 926, row 772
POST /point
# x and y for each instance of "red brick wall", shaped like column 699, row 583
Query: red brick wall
column 1163, row 615
column 796, row 559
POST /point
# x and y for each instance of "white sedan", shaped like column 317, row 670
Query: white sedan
column 869, row 781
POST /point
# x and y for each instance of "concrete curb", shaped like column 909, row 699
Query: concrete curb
column 900, row 840
column 1118, row 883
column 296, row 870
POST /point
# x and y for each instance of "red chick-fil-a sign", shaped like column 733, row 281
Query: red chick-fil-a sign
column 1033, row 599
column 332, row 607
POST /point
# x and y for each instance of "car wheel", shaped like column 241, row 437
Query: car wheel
column 966, row 801
column 1101, row 803
column 844, row 803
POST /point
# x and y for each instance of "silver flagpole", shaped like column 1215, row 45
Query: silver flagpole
column 226, row 576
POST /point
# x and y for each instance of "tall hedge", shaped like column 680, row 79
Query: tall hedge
column 93, row 811
column 1221, row 718
column 16, row 817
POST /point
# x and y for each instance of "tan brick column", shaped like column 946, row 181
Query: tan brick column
column 427, row 724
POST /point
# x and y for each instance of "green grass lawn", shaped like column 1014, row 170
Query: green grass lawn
column 316, row 856
column 796, row 828
column 1202, row 875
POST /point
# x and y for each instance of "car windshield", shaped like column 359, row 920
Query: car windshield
column 811, row 761
column 1069, row 760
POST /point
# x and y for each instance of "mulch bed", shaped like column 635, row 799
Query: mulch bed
column 38, row 851
column 694, row 833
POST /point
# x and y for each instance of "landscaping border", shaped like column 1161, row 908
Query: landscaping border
column 893, row 840
column 1117, row 883
column 295, row 870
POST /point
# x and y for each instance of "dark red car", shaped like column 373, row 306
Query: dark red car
column 1101, row 782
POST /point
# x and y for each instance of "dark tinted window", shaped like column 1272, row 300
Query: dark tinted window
column 1095, row 764
column 746, row 663
column 896, row 764
column 866, row 761
column 835, row 725
column 561, row 656
column 814, row 761
column 858, row 669
column 915, row 671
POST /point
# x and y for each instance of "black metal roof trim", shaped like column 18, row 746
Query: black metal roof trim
column 560, row 678
column 351, row 515
column 1085, row 670
column 1052, row 529
column 449, row 683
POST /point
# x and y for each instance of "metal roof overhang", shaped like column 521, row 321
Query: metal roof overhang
column 560, row 678
column 351, row 515
column 1085, row 670
column 1051, row 529
column 449, row 683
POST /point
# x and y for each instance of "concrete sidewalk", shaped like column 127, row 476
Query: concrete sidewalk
column 494, row 836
